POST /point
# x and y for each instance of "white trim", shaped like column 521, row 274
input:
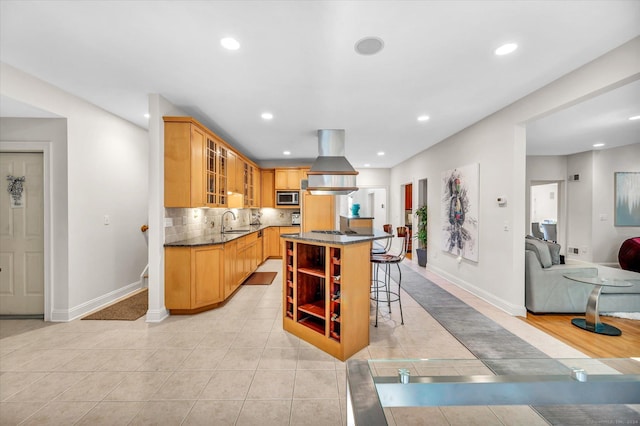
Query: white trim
column 44, row 147
column 61, row 315
column 157, row 315
column 509, row 308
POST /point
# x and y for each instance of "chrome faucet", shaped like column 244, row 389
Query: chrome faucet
column 223, row 214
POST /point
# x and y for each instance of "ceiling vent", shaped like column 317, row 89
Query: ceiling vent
column 331, row 173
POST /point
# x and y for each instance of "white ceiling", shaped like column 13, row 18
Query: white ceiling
column 297, row 61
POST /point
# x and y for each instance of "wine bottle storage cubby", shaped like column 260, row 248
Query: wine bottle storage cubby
column 311, row 305
column 311, row 286
column 289, row 279
column 336, row 293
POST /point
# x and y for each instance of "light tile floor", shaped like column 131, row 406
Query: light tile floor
column 232, row 365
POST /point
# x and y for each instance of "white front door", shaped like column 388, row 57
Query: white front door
column 21, row 234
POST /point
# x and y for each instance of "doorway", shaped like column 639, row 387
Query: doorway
column 408, row 215
column 22, row 237
column 545, row 210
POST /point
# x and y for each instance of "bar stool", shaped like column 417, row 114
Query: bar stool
column 388, row 228
column 382, row 288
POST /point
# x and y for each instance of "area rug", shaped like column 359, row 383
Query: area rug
column 260, row 278
column 625, row 315
column 129, row 309
column 504, row 352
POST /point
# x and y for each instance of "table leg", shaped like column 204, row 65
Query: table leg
column 591, row 321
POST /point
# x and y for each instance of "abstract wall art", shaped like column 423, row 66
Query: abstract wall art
column 460, row 204
column 627, row 199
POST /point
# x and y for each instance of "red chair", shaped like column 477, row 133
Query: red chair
column 629, row 255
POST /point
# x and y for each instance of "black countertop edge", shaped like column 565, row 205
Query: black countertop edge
column 359, row 217
column 214, row 239
column 371, row 234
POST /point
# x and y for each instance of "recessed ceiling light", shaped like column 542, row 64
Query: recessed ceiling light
column 286, row 152
column 635, row 117
column 367, row 165
column 230, row 43
column 369, row 45
column 381, row 153
column 598, row 145
column 505, row 49
column 423, row 118
column 266, row 116
column 147, row 115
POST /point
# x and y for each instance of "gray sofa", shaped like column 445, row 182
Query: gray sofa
column 548, row 291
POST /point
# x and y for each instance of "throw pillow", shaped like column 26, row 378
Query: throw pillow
column 554, row 251
column 541, row 250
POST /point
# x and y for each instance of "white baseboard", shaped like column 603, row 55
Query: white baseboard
column 157, row 315
column 511, row 309
column 61, row 315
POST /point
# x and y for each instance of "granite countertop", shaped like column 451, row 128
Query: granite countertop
column 353, row 236
column 218, row 238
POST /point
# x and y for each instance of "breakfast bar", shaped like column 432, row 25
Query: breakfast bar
column 326, row 288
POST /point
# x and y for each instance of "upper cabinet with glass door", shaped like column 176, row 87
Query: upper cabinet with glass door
column 216, row 166
column 200, row 169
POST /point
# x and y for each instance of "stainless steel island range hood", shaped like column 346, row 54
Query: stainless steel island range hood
column 331, row 173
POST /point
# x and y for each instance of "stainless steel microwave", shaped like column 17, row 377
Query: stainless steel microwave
column 287, row 198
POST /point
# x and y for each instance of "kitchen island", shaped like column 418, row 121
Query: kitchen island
column 326, row 287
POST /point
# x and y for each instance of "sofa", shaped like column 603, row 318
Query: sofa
column 548, row 291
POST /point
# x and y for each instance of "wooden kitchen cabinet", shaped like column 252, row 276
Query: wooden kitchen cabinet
column 250, row 177
column 257, row 193
column 286, row 179
column 235, row 173
column 267, row 188
column 318, row 212
column 215, row 172
column 200, row 169
column 193, row 277
column 286, row 230
column 271, row 241
column 184, row 174
column 230, row 270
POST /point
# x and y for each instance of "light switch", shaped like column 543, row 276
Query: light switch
column 603, row 217
column 107, row 220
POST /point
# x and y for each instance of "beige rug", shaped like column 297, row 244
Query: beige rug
column 260, row 278
column 129, row 309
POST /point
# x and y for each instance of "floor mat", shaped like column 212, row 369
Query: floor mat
column 260, row 278
column 129, row 309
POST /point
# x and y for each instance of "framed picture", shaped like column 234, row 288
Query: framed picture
column 460, row 204
column 627, row 199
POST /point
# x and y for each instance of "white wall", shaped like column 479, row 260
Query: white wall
column 498, row 144
column 579, row 204
column 605, row 237
column 106, row 169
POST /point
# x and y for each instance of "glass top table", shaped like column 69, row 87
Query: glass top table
column 379, row 384
column 591, row 321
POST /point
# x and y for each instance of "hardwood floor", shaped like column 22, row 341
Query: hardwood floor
column 595, row 345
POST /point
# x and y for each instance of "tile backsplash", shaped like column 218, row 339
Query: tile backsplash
column 184, row 223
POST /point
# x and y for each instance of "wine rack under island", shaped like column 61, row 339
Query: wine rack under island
column 326, row 281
